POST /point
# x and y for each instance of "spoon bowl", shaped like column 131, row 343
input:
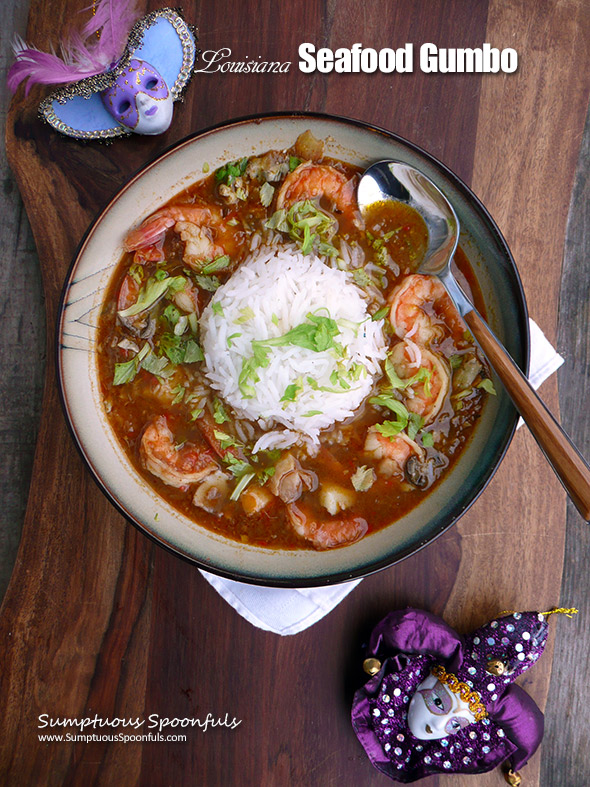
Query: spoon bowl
column 395, row 180
column 392, row 180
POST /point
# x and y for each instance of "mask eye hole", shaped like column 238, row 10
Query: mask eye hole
column 151, row 83
column 124, row 106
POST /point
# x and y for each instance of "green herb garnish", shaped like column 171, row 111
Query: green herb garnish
column 379, row 315
column 219, row 414
column 246, row 315
column 266, row 194
column 427, row 439
column 218, row 264
column 307, row 225
column 229, row 172
column 363, row 478
column 154, row 289
column 207, row 283
column 487, row 385
column 125, row 372
column 415, row 423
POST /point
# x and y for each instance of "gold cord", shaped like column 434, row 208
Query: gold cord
column 561, row 610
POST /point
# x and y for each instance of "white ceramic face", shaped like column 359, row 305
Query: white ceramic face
column 155, row 115
column 436, row 712
column 140, row 99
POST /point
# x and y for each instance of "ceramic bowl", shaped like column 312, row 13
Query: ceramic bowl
column 88, row 280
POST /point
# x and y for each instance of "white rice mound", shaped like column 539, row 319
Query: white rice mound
column 272, row 292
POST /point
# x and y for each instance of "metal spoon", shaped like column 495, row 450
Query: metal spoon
column 394, row 180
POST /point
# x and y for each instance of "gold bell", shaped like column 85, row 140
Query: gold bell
column 371, row 666
column 495, row 667
column 513, row 778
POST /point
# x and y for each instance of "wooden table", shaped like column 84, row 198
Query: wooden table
column 98, row 620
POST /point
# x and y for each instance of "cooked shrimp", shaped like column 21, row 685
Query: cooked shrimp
column 424, row 397
column 392, row 453
column 414, row 303
column 178, row 466
column 196, row 225
column 164, row 390
column 154, row 227
column 328, row 534
column 311, row 180
column 141, row 324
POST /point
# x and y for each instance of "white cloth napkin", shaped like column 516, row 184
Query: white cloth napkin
column 291, row 610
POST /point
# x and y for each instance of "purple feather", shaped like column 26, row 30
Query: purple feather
column 92, row 51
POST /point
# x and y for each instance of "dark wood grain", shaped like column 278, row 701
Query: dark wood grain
column 568, row 696
column 96, row 619
column 563, row 455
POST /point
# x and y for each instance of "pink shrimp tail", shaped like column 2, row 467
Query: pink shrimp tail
column 84, row 54
column 148, row 233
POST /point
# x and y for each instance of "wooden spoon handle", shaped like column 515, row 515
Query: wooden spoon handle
column 570, row 467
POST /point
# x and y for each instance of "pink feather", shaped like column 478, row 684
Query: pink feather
column 85, row 53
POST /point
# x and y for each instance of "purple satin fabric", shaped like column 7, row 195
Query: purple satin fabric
column 409, row 643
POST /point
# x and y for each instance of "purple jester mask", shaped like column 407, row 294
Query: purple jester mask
column 439, row 702
column 140, row 99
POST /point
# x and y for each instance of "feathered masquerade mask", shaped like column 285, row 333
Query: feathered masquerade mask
column 119, row 77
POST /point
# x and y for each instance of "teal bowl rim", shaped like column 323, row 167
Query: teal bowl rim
column 449, row 518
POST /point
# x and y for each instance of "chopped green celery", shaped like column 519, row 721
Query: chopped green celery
column 180, row 391
column 384, row 400
column 307, row 225
column 137, row 272
column 427, row 439
column 266, row 194
column 423, row 375
column 362, row 278
column 379, row 315
column 415, row 423
column 390, row 428
column 241, row 485
column 246, row 314
column 181, row 325
column 291, row 392
column 172, row 314
column 229, row 172
column 218, row 264
column 487, row 385
column 153, row 290
column 193, row 322
column 225, row 440
column 247, row 377
column 125, row 372
column 207, row 283
column 363, row 478
column 158, row 365
column 192, row 352
column 219, row 414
